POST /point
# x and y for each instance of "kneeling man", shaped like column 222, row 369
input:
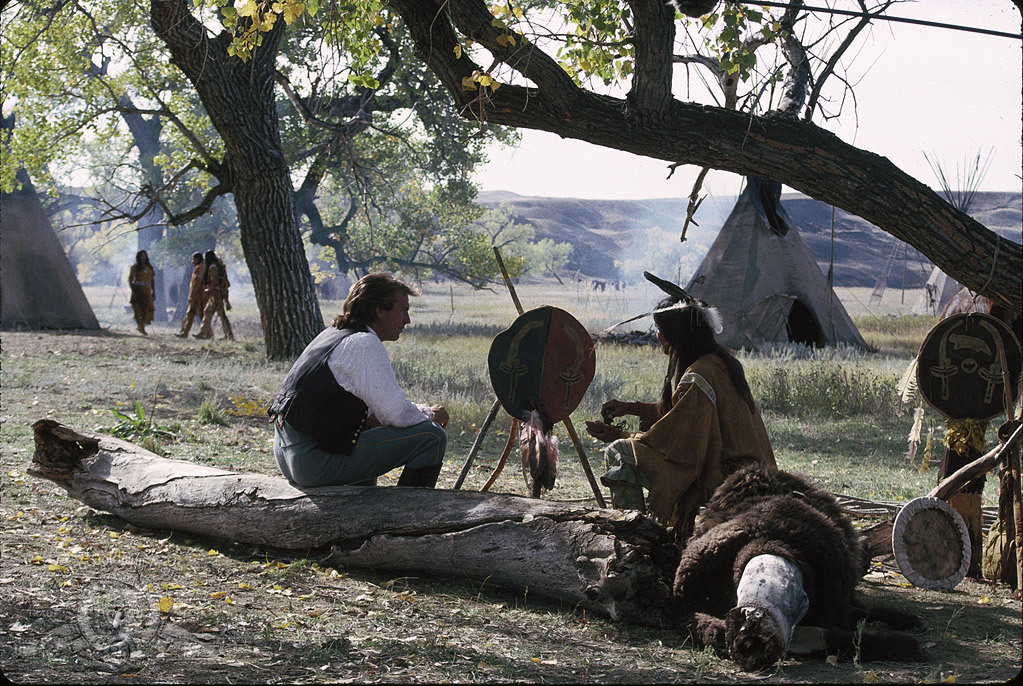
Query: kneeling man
column 340, row 417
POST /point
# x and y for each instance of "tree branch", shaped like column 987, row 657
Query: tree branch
column 654, row 35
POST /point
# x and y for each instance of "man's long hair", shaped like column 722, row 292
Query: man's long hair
column 690, row 336
column 367, row 294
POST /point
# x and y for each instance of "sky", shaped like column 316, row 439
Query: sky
column 949, row 94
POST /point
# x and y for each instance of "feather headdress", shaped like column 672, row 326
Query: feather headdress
column 711, row 316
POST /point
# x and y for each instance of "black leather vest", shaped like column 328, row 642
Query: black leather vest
column 314, row 403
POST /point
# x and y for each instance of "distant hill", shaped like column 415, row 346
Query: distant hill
column 602, row 231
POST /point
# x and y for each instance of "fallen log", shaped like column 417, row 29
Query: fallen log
column 617, row 563
column 878, row 537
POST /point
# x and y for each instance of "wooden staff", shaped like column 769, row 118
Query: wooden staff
column 504, row 455
column 1013, row 463
column 477, row 443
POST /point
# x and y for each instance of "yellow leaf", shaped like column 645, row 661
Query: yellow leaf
column 58, row 568
column 458, row 52
column 248, row 9
column 165, row 604
column 227, row 599
column 468, row 83
column 494, row 85
column 37, row 560
column 114, row 534
column 984, row 600
column 517, row 11
column 218, row 594
column 485, row 80
column 293, row 11
column 511, row 38
column 502, row 39
column 244, row 586
column 212, row 552
column 871, row 677
column 950, row 679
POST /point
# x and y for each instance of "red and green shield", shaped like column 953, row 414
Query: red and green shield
column 544, row 361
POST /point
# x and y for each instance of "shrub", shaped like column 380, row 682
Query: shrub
column 210, row 412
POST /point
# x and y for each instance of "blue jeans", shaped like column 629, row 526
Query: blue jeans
column 378, row 451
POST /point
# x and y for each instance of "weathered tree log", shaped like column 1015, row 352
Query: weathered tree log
column 619, row 564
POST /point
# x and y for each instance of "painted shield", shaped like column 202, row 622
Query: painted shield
column 543, row 361
column 959, row 366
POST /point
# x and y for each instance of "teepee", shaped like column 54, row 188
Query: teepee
column 938, row 290
column 38, row 287
column 762, row 277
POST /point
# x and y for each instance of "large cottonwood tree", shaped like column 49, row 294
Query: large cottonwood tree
column 513, row 49
column 240, row 100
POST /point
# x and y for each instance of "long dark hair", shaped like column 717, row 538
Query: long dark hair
column 690, row 336
column 142, row 259
column 210, row 258
column 378, row 289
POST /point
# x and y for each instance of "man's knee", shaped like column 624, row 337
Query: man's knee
column 441, row 440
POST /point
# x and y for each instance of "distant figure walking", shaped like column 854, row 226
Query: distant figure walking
column 195, row 295
column 141, row 279
column 215, row 292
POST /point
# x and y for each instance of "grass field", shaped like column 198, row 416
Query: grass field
column 832, row 415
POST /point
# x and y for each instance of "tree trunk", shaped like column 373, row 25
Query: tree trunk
column 777, row 147
column 239, row 97
column 620, row 564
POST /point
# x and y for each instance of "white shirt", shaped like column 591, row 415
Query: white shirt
column 361, row 365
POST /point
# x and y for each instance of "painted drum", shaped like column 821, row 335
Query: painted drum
column 543, row 361
column 959, row 366
column 931, row 544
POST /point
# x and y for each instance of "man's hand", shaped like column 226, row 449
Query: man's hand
column 613, row 408
column 604, row 432
column 440, row 416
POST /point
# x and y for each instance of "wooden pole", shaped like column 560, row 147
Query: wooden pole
column 1013, row 461
column 477, row 443
column 585, row 462
column 512, row 431
column 568, row 420
column 507, row 281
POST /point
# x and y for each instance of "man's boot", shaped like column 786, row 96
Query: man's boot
column 422, row 477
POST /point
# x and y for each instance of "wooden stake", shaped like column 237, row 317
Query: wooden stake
column 585, row 462
column 477, row 443
column 512, row 433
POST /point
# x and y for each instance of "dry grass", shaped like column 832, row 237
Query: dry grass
column 247, row 615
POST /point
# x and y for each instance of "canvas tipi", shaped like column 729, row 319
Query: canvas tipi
column 938, row 290
column 762, row 277
column 38, row 287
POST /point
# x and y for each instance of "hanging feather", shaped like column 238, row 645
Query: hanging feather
column 907, row 384
column 914, row 434
column 928, row 451
column 538, row 448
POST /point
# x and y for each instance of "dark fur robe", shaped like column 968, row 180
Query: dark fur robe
column 759, row 511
